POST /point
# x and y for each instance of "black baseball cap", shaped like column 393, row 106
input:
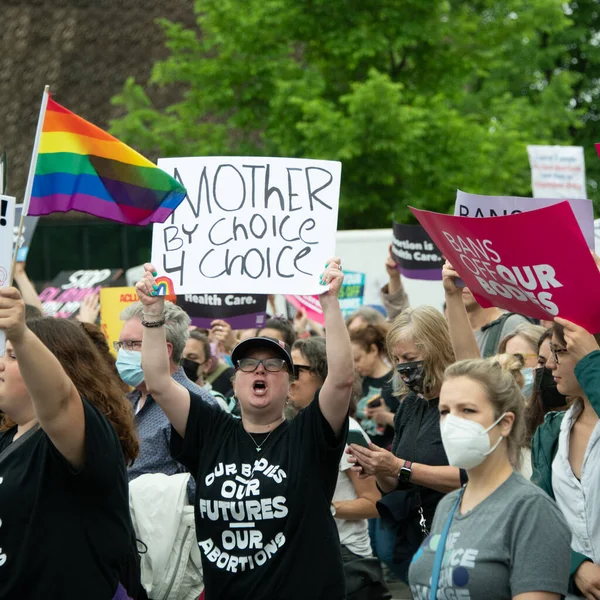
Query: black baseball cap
column 281, row 348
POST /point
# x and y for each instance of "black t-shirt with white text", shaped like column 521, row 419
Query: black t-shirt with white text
column 263, row 519
column 63, row 534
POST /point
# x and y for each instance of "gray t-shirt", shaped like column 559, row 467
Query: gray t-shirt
column 509, row 326
column 515, row 541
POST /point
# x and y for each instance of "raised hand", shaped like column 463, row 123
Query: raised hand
column 12, row 314
column 146, row 289
column 333, row 277
column 90, row 308
column 221, row 332
column 579, row 341
column 449, row 277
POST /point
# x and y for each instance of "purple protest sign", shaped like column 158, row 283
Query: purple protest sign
column 415, row 253
column 241, row 311
column 474, row 205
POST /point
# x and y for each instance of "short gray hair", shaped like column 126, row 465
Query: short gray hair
column 177, row 324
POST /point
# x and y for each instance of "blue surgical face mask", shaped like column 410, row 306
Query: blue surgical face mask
column 129, row 365
column 528, row 376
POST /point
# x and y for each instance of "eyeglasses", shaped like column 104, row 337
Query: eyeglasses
column 556, row 351
column 249, row 365
column 131, row 345
column 298, row 368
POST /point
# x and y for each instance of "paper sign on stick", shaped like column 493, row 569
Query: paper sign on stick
column 63, row 298
column 112, row 302
column 352, row 292
column 513, row 263
column 241, row 311
column 557, row 171
column 474, row 205
column 309, row 305
column 29, row 225
column 7, row 218
column 249, row 225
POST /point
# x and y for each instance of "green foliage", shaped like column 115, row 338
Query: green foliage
column 415, row 98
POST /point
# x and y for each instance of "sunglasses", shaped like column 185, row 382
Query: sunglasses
column 298, row 368
column 523, row 357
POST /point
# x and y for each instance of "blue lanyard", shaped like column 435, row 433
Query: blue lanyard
column 439, row 553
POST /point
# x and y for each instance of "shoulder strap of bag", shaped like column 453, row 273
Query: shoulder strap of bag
column 495, row 331
column 439, row 553
column 414, row 431
column 20, row 441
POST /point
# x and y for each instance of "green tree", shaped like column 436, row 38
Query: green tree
column 415, row 98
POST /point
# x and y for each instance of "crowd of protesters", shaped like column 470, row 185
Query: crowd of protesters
column 457, row 452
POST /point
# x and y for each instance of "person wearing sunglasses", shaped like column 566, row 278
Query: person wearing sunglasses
column 415, row 475
column 566, row 450
column 264, row 485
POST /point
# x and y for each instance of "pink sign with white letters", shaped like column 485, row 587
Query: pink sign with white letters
column 535, row 263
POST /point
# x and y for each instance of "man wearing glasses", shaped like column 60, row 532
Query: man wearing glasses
column 153, row 427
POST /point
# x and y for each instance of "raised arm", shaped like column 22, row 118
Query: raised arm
column 334, row 398
column 26, row 287
column 173, row 398
column 56, row 402
column 461, row 333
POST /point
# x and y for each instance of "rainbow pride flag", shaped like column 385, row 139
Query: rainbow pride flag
column 81, row 167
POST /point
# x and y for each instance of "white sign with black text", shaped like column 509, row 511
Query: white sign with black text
column 249, row 225
column 7, row 219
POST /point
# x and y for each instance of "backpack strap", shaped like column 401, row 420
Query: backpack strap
column 494, row 337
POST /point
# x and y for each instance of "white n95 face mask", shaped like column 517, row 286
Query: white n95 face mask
column 466, row 443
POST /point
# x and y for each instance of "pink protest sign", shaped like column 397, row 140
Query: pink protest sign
column 535, row 263
column 310, row 305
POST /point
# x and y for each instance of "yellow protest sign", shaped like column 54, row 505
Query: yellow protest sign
column 112, row 302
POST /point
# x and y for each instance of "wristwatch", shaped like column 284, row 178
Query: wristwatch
column 405, row 472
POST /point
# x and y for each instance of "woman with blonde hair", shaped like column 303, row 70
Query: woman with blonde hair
column 415, row 475
column 523, row 343
column 500, row 534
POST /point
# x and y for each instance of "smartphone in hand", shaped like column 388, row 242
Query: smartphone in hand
column 357, row 437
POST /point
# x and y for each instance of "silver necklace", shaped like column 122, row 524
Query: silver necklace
column 259, row 446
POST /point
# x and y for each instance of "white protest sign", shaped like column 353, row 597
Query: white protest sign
column 557, row 171
column 7, row 219
column 474, row 205
column 248, row 225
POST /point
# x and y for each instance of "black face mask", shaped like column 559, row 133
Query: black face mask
column 190, row 368
column 545, row 385
column 412, row 375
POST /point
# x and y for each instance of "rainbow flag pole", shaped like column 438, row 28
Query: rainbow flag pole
column 29, row 186
column 34, row 155
column 78, row 166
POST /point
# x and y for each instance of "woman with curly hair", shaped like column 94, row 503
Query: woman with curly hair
column 66, row 435
column 99, row 340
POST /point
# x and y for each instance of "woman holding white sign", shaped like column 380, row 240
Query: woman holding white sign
column 264, row 485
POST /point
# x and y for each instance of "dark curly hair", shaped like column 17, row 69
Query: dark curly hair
column 99, row 340
column 370, row 335
column 90, row 373
column 284, row 327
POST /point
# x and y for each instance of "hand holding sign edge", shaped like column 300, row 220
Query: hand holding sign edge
column 333, row 278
